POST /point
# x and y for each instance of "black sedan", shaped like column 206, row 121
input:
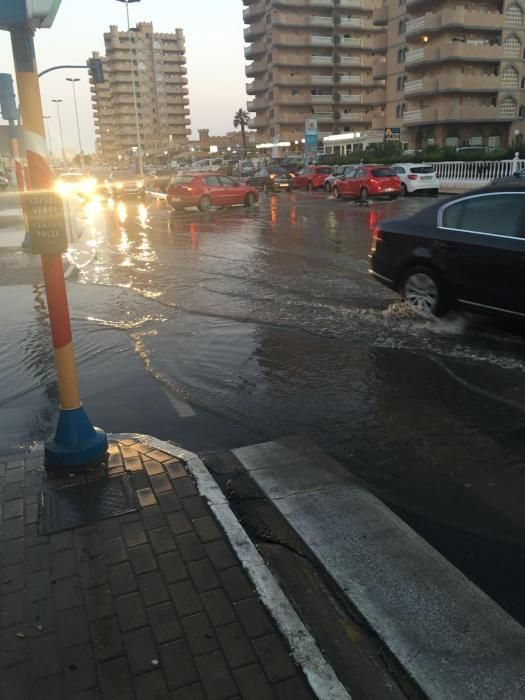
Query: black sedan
column 272, row 178
column 464, row 252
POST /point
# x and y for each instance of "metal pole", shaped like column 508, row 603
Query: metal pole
column 73, row 81
column 57, row 102
column 76, row 442
column 48, row 135
column 137, row 124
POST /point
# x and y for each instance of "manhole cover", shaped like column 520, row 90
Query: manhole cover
column 74, row 506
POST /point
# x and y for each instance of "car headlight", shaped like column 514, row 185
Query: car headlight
column 119, row 185
column 61, row 188
column 140, row 184
column 88, row 186
column 273, row 176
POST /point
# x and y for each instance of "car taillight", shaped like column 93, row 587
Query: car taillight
column 412, row 177
column 376, row 234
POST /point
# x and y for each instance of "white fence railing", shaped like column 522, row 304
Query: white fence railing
column 468, row 175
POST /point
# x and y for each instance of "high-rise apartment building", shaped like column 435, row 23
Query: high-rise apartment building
column 159, row 62
column 454, row 70
column 445, row 72
column 312, row 58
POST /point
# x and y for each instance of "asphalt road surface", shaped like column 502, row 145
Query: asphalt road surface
column 223, row 329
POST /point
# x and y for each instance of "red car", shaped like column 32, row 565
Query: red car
column 368, row 181
column 207, row 190
column 312, row 177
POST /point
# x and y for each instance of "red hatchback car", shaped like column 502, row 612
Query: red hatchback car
column 207, row 190
column 312, row 177
column 368, row 181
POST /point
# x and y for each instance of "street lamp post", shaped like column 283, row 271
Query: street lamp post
column 58, row 102
column 48, row 133
column 73, row 81
column 137, row 124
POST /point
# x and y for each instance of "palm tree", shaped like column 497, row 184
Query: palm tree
column 241, row 120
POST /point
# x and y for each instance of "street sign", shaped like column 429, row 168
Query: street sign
column 311, row 140
column 46, row 222
column 392, row 134
column 41, row 13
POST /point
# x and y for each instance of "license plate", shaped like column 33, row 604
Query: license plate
column 427, row 177
column 175, row 199
column 389, row 189
column 283, row 184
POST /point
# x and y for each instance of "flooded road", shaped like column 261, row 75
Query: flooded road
column 238, row 326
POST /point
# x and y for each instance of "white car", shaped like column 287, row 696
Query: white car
column 417, row 177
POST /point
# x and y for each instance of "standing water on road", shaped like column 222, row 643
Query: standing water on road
column 221, row 329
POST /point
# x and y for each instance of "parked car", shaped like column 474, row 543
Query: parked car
column 4, row 182
column 340, row 171
column 207, row 190
column 272, row 178
column 208, row 165
column 464, row 252
column 368, row 181
column 124, row 183
column 312, row 177
column 245, row 168
column 417, row 177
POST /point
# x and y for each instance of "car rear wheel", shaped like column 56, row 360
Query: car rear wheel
column 363, row 197
column 204, row 204
column 336, row 193
column 423, row 292
column 404, row 190
column 249, row 200
column 309, row 186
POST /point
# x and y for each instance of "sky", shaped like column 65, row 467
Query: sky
column 214, row 46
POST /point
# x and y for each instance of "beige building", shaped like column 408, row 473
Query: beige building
column 159, row 62
column 454, row 71
column 445, row 72
column 312, row 58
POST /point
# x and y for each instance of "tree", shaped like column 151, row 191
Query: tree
column 241, row 120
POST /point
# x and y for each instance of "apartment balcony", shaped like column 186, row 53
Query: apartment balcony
column 379, row 69
column 453, row 51
column 349, row 80
column 256, row 87
column 304, row 79
column 327, row 98
column 292, row 21
column 453, row 83
column 350, row 4
column 349, row 61
column 258, row 105
column 351, row 43
column 258, row 123
column 379, row 41
column 380, row 16
column 320, row 61
column 256, row 68
column 451, row 18
column 453, row 113
column 255, row 31
column 322, row 41
column 258, row 49
column 351, row 117
column 253, row 12
column 324, row 117
column 349, row 99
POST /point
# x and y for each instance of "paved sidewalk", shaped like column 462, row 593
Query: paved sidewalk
column 151, row 605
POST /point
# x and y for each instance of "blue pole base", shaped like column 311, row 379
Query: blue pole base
column 76, row 443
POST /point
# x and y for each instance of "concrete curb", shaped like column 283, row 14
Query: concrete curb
column 320, row 674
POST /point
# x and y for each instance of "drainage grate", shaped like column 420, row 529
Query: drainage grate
column 74, row 506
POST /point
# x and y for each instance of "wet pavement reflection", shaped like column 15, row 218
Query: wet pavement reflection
column 240, row 325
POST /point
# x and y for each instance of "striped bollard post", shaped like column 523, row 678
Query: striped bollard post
column 76, row 443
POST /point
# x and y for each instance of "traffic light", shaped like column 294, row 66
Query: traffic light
column 7, row 98
column 96, row 70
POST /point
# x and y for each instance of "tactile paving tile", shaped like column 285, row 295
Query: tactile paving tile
column 75, row 506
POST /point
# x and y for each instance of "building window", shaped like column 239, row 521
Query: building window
column 514, row 16
column 401, row 27
column 510, row 78
column 508, row 107
column 400, row 56
column 512, row 47
column 295, row 91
